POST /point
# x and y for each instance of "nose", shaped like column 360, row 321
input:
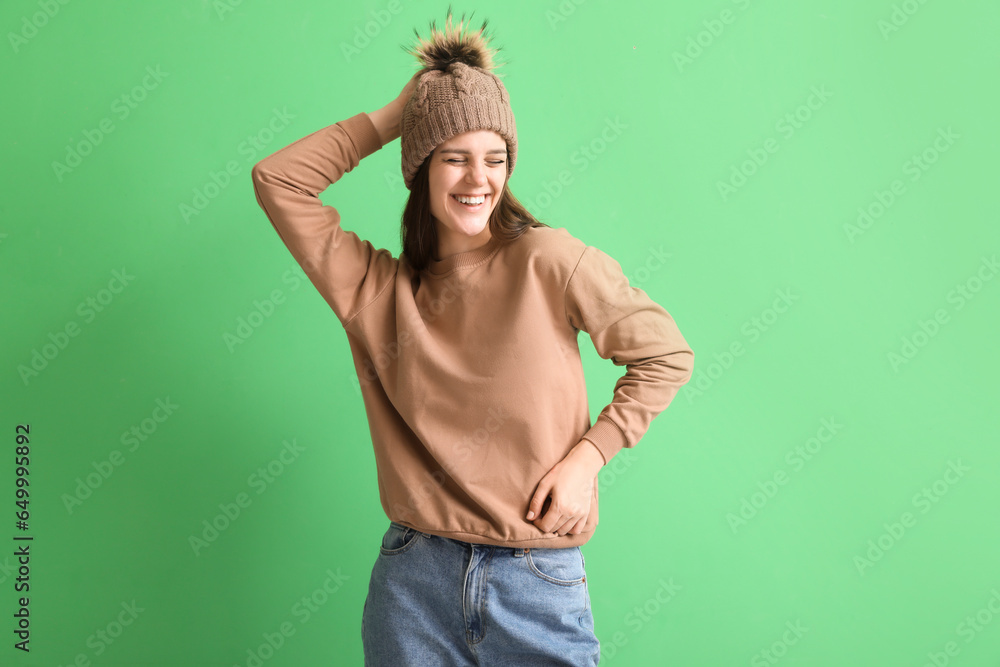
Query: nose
column 476, row 173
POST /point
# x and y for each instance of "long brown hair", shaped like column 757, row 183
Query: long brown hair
column 418, row 235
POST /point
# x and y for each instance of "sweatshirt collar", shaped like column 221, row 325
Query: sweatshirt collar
column 464, row 260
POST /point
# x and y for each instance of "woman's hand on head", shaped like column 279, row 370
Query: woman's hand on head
column 407, row 92
column 388, row 119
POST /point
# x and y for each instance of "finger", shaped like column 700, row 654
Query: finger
column 558, row 519
column 579, row 527
column 564, row 526
column 541, row 493
column 547, row 517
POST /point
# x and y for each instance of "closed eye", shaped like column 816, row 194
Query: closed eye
column 458, row 161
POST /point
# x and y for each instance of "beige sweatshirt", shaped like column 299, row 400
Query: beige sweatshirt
column 470, row 371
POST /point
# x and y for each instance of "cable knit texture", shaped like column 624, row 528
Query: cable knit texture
column 445, row 103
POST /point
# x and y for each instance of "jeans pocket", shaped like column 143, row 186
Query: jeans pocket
column 398, row 539
column 558, row 566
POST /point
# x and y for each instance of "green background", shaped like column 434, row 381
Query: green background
column 869, row 346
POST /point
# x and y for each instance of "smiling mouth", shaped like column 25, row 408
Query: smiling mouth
column 472, row 207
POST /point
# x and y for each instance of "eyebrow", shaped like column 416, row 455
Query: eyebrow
column 465, row 152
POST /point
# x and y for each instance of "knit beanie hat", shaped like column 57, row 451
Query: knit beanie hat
column 455, row 92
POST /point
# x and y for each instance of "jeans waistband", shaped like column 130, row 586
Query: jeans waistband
column 516, row 552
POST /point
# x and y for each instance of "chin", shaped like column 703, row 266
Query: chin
column 470, row 228
column 474, row 232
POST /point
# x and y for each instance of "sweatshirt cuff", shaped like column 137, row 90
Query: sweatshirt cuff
column 362, row 133
column 607, row 437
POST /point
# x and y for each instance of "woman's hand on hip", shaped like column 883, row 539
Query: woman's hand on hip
column 571, row 484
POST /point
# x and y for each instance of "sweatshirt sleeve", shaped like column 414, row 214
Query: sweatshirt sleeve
column 632, row 330
column 348, row 271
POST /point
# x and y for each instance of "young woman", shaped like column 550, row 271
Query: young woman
column 466, row 352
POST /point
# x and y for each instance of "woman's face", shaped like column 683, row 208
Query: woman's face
column 470, row 164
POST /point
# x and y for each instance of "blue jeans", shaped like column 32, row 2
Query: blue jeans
column 435, row 602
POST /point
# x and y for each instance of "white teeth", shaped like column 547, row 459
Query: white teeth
column 471, row 200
